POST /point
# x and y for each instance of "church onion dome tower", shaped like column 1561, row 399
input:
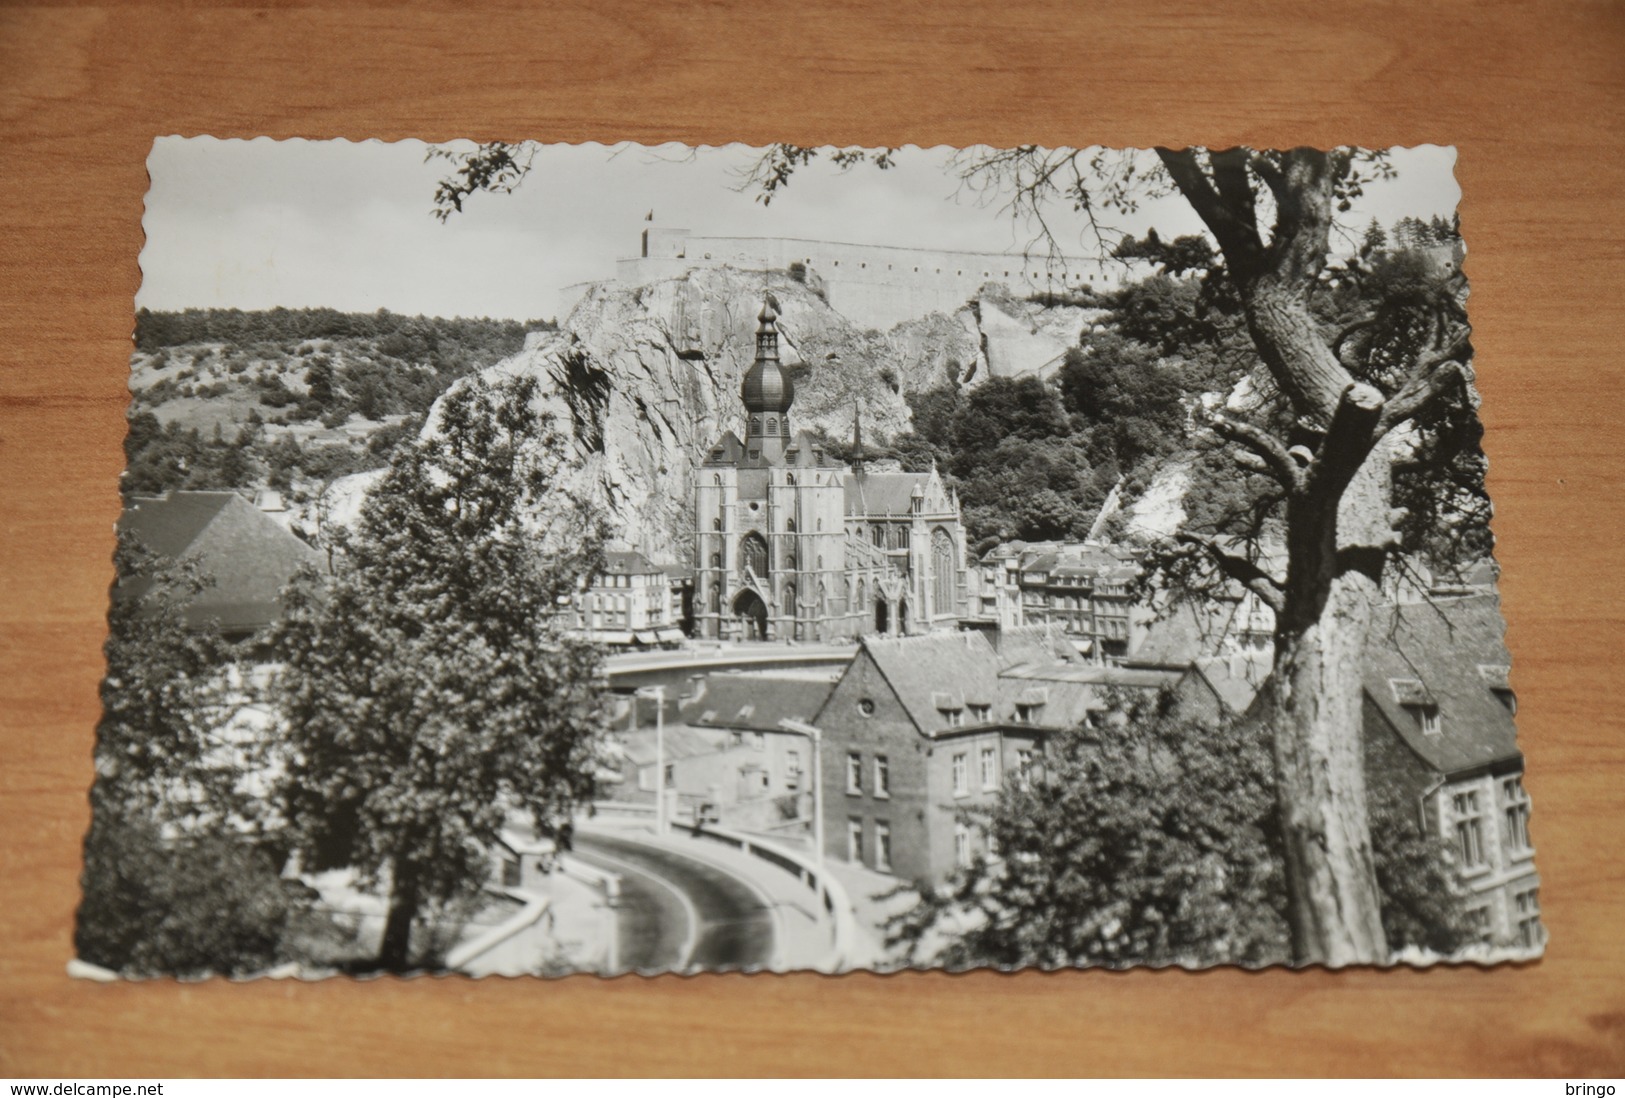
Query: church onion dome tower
column 767, row 393
column 766, row 388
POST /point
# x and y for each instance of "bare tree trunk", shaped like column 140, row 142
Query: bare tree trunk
column 1314, row 715
column 1335, row 545
column 395, row 954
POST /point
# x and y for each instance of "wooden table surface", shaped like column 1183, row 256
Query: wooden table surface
column 1530, row 94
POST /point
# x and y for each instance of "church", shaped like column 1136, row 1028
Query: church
column 792, row 544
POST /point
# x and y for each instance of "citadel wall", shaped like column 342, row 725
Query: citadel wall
column 874, row 285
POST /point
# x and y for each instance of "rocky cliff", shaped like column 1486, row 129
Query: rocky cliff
column 645, row 379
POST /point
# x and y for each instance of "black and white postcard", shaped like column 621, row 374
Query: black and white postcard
column 541, row 559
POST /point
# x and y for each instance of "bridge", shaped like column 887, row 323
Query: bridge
column 630, row 670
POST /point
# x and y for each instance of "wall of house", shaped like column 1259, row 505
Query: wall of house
column 1506, row 871
column 943, row 817
column 888, row 731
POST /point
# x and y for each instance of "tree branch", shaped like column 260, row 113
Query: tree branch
column 1349, row 439
column 1243, row 571
column 1235, row 230
column 1428, row 382
column 1287, row 471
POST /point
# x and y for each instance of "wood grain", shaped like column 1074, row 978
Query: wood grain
column 1531, row 96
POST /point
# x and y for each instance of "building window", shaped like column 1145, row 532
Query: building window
column 1024, row 767
column 792, row 770
column 882, row 776
column 1026, row 714
column 854, row 772
column 1478, row 918
column 866, row 707
column 753, row 550
column 980, row 713
column 1469, row 830
column 990, row 768
column 956, row 717
column 854, row 840
column 1526, row 905
column 962, row 845
column 1431, row 724
column 882, row 845
column 961, row 774
column 1515, row 806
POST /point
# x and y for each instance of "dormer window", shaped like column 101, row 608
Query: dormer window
column 1432, row 725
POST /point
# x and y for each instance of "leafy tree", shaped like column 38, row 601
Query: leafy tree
column 430, row 689
column 1155, row 840
column 205, row 901
column 164, row 695
column 176, row 876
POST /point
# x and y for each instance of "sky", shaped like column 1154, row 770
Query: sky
column 261, row 223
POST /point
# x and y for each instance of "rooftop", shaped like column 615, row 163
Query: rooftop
column 1449, row 655
column 249, row 555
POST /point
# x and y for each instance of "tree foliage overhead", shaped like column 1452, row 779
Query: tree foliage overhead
column 430, row 689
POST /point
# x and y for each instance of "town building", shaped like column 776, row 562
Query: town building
column 919, row 730
column 629, row 602
column 726, row 754
column 247, row 556
column 1439, row 725
column 1084, row 590
column 792, row 544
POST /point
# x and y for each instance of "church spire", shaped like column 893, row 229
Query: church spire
column 857, row 439
column 767, row 391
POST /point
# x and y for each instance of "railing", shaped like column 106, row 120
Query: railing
column 831, row 893
column 528, row 916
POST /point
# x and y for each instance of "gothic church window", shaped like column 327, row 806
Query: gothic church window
column 942, row 570
column 753, row 554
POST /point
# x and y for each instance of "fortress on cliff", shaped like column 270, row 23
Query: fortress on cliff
column 873, row 285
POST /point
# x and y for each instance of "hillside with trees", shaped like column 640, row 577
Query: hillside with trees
column 290, row 398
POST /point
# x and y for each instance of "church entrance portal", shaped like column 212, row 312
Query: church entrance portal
column 752, row 614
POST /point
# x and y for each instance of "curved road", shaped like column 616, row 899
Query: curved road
column 672, row 905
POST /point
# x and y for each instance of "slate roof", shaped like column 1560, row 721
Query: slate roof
column 883, row 493
column 757, row 703
column 1234, row 680
column 1435, row 653
column 248, row 554
column 640, row 748
column 1035, row 644
column 629, row 562
column 808, row 451
column 1180, row 638
column 727, row 450
column 918, row 669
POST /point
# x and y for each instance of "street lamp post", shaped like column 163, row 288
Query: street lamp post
column 658, row 692
column 817, row 738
